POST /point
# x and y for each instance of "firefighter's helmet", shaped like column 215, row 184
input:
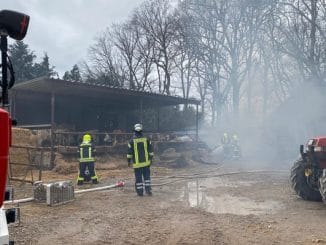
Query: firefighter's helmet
column 138, row 127
column 87, row 138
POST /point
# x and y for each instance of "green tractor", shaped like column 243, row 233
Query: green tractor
column 308, row 174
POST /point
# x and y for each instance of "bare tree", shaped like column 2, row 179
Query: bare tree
column 104, row 65
column 157, row 21
column 302, row 32
column 225, row 37
column 126, row 39
column 218, row 50
column 145, row 54
column 185, row 60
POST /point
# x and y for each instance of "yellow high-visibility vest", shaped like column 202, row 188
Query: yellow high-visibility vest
column 140, row 151
column 86, row 153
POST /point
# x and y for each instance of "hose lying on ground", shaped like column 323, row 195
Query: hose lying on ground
column 219, row 175
column 119, row 184
column 178, row 178
column 187, row 175
column 13, row 202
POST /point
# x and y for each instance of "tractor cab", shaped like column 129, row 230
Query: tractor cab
column 315, row 149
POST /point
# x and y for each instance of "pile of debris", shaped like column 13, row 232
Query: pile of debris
column 173, row 159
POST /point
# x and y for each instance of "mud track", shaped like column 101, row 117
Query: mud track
column 256, row 208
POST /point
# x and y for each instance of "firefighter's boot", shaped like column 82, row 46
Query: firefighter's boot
column 148, row 188
column 139, row 189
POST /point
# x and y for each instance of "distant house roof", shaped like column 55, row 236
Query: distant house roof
column 102, row 92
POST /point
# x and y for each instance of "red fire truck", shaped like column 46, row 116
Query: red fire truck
column 14, row 25
column 5, row 135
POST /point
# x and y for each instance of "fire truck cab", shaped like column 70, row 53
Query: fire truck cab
column 5, row 136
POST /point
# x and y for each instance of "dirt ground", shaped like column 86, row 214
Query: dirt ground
column 247, row 208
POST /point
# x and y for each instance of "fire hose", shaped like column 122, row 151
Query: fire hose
column 24, row 200
column 177, row 178
column 185, row 178
column 118, row 184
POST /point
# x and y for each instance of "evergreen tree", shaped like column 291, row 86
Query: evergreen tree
column 66, row 76
column 44, row 69
column 73, row 75
column 23, row 60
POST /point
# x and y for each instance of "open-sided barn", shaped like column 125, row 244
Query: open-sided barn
column 83, row 106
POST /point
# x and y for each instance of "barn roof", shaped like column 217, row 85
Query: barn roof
column 101, row 92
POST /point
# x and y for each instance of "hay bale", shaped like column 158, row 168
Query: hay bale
column 21, row 136
column 64, row 167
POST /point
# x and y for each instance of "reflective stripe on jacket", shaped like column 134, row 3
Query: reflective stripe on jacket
column 140, row 150
column 225, row 139
column 86, row 153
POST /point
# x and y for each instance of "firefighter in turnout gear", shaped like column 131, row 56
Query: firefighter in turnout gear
column 86, row 171
column 225, row 139
column 235, row 139
column 236, row 146
column 140, row 155
column 226, row 143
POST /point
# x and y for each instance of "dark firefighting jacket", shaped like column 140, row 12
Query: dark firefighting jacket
column 86, row 153
column 140, row 151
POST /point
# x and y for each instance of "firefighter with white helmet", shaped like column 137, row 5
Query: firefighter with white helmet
column 86, row 161
column 140, row 155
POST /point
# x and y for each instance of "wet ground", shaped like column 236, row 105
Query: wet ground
column 197, row 194
column 240, row 208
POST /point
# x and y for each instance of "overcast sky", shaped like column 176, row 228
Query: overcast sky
column 66, row 28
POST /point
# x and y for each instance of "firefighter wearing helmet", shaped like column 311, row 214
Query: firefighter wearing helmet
column 86, row 171
column 140, row 155
column 226, row 144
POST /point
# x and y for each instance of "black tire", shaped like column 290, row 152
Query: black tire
column 322, row 186
column 300, row 184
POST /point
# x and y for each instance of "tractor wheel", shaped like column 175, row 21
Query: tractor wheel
column 300, row 182
column 322, row 186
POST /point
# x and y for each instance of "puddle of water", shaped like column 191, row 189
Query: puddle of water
column 195, row 195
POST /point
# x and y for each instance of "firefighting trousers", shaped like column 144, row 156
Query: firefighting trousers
column 87, row 171
column 143, row 178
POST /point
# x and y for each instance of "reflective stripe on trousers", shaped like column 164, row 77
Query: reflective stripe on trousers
column 147, row 183
column 139, row 186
